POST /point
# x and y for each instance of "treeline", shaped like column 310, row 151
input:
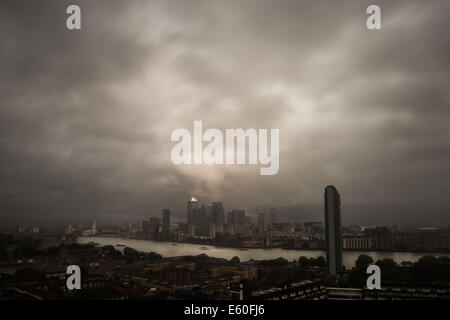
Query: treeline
column 426, row 270
column 30, row 250
column 131, row 255
column 318, row 262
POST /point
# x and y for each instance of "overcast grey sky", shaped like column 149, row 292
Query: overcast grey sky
column 86, row 116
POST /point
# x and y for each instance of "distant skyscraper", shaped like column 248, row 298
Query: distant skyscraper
column 262, row 224
column 93, row 227
column 154, row 227
column 146, row 226
column 218, row 213
column 236, row 218
column 218, row 217
column 68, row 230
column 191, row 204
column 212, row 230
column 333, row 230
column 166, row 223
column 202, row 219
column 272, row 218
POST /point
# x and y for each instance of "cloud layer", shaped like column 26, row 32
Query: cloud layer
column 86, row 116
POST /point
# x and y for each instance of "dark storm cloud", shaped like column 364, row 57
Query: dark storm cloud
column 86, row 115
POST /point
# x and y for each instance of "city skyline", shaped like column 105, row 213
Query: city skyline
column 283, row 214
column 179, row 215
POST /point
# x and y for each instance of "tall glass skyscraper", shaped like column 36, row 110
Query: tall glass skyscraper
column 236, row 218
column 166, row 223
column 191, row 204
column 262, row 224
column 218, row 213
column 272, row 218
column 333, row 230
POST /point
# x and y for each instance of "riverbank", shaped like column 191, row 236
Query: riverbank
column 166, row 249
column 432, row 252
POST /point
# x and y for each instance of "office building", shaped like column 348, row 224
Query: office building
column 272, row 218
column 236, row 218
column 166, row 224
column 93, row 227
column 191, row 205
column 218, row 214
column 356, row 242
column 154, row 228
column 333, row 230
column 202, row 219
column 262, row 224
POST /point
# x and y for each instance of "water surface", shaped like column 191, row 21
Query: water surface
column 167, row 249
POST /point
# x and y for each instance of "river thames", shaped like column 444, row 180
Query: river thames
column 168, row 249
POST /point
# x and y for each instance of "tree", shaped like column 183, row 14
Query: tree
column 357, row 277
column 130, row 252
column 304, row 262
column 321, row 262
column 110, row 250
column 389, row 270
column 445, row 269
column 362, row 263
column 154, row 256
column 427, row 269
column 235, row 260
